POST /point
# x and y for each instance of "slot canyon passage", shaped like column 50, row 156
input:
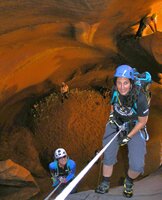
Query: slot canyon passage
column 43, row 43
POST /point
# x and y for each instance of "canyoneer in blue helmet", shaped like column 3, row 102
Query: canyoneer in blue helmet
column 124, row 71
column 129, row 109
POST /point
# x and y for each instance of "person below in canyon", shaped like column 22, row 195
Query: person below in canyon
column 145, row 22
column 62, row 170
column 64, row 91
column 129, row 106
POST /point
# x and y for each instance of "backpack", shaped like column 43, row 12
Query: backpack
column 142, row 82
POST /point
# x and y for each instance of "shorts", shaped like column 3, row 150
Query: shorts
column 136, row 149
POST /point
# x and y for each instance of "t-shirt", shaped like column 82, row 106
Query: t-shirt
column 124, row 113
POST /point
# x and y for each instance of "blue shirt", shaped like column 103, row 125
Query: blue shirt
column 67, row 172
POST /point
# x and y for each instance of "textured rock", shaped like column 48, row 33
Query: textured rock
column 16, row 182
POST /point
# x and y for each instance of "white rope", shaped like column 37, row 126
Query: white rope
column 52, row 192
column 75, row 181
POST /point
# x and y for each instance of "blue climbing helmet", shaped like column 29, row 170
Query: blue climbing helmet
column 124, row 71
column 141, row 81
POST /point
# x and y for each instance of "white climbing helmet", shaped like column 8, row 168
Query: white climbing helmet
column 59, row 153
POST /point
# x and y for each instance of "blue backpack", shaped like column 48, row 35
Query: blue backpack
column 142, row 82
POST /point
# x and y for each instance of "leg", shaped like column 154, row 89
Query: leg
column 109, row 158
column 137, row 151
column 132, row 174
column 136, row 155
column 107, row 170
column 141, row 28
column 66, row 94
column 62, row 97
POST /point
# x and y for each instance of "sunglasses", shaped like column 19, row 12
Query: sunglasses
column 62, row 157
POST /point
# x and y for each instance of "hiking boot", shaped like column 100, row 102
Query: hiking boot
column 103, row 187
column 128, row 188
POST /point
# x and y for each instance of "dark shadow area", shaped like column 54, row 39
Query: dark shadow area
column 45, row 157
column 17, row 109
column 132, row 53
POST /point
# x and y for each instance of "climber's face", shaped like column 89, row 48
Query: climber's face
column 123, row 85
column 62, row 161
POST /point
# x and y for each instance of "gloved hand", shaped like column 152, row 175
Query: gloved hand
column 124, row 140
column 55, row 181
column 62, row 180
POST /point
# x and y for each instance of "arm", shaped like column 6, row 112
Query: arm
column 142, row 113
column 111, row 115
column 71, row 175
column 155, row 26
column 111, row 109
column 67, row 88
column 141, row 123
column 53, row 174
column 52, row 168
column 61, row 90
column 151, row 28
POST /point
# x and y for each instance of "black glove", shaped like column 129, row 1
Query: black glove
column 124, row 140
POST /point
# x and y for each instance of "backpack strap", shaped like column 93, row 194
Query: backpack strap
column 56, row 167
column 115, row 97
column 68, row 164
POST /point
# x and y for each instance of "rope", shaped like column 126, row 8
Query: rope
column 75, row 181
column 52, row 192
